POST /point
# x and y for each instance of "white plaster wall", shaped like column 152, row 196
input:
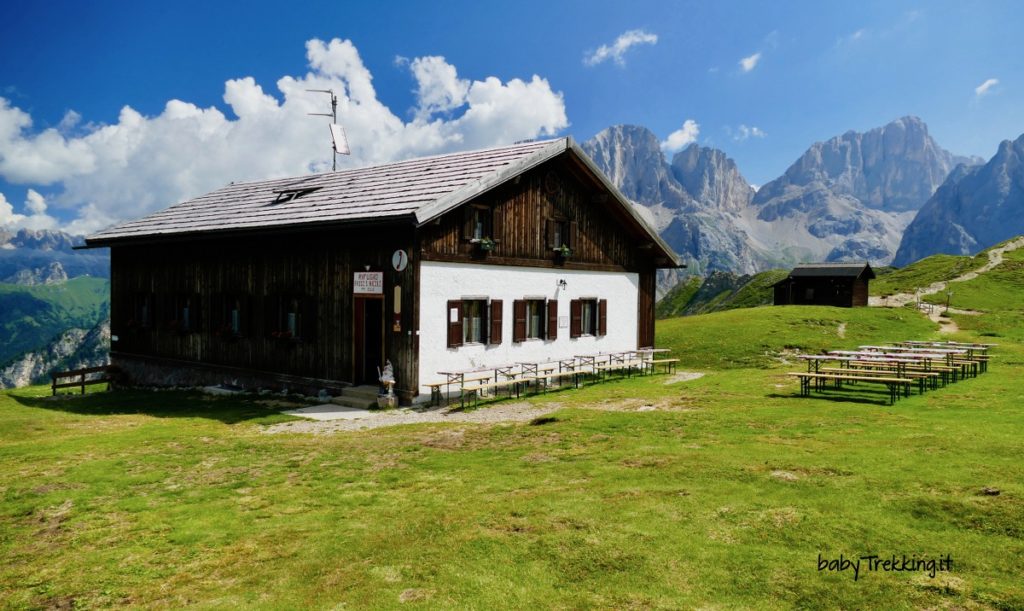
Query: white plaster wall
column 441, row 282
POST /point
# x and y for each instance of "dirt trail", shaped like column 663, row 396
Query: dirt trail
column 995, row 257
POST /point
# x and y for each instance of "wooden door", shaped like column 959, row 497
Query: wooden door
column 368, row 333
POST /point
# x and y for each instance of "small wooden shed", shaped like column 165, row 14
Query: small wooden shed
column 833, row 284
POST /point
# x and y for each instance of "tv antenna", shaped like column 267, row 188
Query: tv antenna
column 339, row 140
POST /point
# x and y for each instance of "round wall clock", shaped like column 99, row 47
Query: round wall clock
column 399, row 260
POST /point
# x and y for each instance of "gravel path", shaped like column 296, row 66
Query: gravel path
column 501, row 412
column 519, row 411
column 995, row 257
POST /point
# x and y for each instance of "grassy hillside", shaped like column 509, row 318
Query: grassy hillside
column 723, row 493
column 719, row 492
column 30, row 316
column 675, row 301
column 998, row 293
column 755, row 337
column 717, row 292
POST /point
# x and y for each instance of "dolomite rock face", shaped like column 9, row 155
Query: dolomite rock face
column 849, row 198
column 852, row 197
column 72, row 349
column 977, row 207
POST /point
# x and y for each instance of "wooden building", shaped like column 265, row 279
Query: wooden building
column 833, row 284
column 519, row 253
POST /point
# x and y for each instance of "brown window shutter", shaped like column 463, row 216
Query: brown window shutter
column 454, row 328
column 575, row 318
column 550, row 233
column 552, row 319
column 197, row 307
column 602, row 317
column 467, row 222
column 245, row 316
column 218, row 313
column 485, row 329
column 497, row 228
column 573, row 235
column 518, row 320
column 309, row 329
column 495, row 335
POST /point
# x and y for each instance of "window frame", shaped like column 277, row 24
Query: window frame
column 588, row 314
column 481, row 306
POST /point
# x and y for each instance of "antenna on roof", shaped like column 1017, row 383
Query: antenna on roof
column 339, row 144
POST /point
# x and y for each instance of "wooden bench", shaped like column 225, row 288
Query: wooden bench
column 476, row 390
column 670, row 364
column 626, row 367
column 558, row 375
column 83, row 379
column 921, row 377
column 894, row 384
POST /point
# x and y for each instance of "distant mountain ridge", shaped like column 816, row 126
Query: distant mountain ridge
column 28, row 251
column 848, row 198
column 687, row 201
column 976, row 207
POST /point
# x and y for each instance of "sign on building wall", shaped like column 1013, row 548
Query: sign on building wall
column 368, row 283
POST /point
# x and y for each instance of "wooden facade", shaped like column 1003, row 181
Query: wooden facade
column 840, row 285
column 315, row 268
column 277, row 304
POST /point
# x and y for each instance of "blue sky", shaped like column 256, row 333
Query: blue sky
column 813, row 70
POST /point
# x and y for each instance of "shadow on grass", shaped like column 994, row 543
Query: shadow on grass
column 884, row 401
column 163, row 404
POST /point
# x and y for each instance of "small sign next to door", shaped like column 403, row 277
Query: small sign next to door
column 368, row 283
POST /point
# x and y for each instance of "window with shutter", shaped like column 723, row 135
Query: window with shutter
column 496, row 315
column 518, row 320
column 552, row 319
column 536, row 317
column 589, row 316
column 476, row 222
column 308, row 311
column 575, row 318
column 602, row 316
column 454, row 314
column 474, row 321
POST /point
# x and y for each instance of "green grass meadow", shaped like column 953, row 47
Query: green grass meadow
column 722, row 496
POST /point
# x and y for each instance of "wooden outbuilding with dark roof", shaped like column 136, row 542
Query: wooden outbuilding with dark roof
column 832, row 284
column 519, row 253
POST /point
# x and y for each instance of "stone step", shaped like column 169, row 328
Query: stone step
column 365, row 391
column 359, row 402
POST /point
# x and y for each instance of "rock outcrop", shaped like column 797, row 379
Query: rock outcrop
column 976, row 208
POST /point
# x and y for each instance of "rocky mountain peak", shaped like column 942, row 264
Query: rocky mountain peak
column 51, row 273
column 630, row 155
column 976, row 207
column 894, row 168
column 711, row 178
column 37, row 239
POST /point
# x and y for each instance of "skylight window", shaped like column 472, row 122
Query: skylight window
column 288, row 195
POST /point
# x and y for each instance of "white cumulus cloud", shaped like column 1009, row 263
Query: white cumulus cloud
column 617, row 50
column 139, row 164
column 681, row 137
column 743, row 132
column 985, row 87
column 35, row 206
column 750, row 62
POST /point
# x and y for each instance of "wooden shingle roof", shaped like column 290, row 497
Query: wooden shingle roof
column 844, row 270
column 376, row 192
column 420, row 190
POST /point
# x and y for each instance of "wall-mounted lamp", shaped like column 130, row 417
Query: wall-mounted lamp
column 562, row 284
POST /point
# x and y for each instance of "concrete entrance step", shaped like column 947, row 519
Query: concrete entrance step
column 363, row 397
column 365, row 391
